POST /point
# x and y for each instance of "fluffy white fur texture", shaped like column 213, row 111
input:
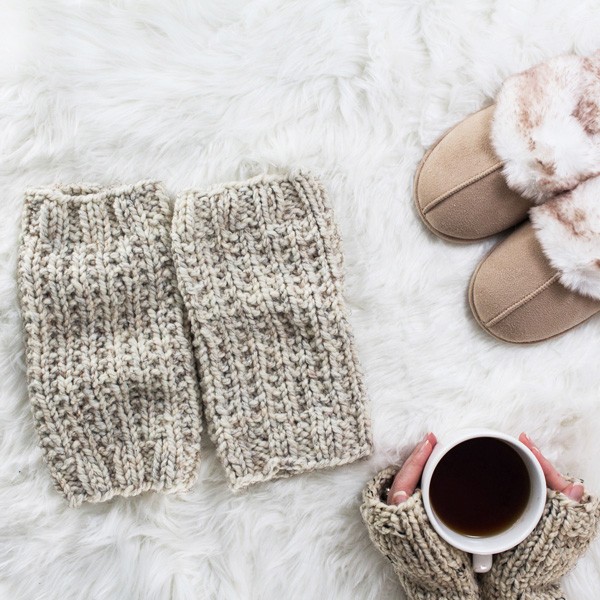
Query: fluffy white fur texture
column 196, row 93
column 547, row 126
column 568, row 228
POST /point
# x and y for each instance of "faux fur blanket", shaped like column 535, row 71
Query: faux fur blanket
column 195, row 93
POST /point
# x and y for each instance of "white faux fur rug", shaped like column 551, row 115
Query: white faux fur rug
column 195, row 93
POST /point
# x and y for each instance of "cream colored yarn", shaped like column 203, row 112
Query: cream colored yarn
column 259, row 268
column 428, row 568
column 532, row 570
column 109, row 363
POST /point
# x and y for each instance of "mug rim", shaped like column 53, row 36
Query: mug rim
column 466, row 543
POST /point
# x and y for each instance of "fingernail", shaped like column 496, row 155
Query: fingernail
column 422, row 445
column 576, row 492
column 533, row 446
column 399, row 497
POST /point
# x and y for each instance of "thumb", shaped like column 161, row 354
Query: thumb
column 574, row 491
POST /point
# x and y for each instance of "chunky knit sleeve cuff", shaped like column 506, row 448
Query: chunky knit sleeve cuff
column 428, row 568
column 533, row 569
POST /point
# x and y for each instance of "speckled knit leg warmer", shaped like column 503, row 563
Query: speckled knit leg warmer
column 110, row 366
column 428, row 567
column 533, row 570
column 259, row 267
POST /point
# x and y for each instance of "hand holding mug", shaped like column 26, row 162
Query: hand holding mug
column 523, row 509
column 554, row 480
column 408, row 476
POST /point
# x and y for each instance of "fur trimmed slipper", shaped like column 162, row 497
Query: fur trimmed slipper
column 545, row 278
column 542, row 138
column 460, row 191
column 516, row 295
column 546, row 126
column 568, row 229
column 538, row 150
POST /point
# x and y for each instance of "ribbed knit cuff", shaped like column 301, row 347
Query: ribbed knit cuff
column 534, row 568
column 428, row 567
column 259, row 267
column 110, row 366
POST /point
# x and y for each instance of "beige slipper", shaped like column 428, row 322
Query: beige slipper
column 460, row 191
column 518, row 296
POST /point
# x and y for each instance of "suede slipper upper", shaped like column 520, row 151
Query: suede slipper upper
column 516, row 295
column 460, row 191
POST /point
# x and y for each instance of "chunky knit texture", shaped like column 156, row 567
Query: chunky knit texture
column 110, row 366
column 428, row 567
column 259, row 266
column 532, row 570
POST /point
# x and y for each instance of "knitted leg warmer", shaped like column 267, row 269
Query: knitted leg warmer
column 110, row 366
column 259, row 268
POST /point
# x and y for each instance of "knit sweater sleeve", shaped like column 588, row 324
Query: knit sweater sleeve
column 428, row 568
column 533, row 569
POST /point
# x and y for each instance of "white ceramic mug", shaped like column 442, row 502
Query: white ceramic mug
column 483, row 548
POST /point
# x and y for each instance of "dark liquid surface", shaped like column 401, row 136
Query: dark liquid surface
column 480, row 487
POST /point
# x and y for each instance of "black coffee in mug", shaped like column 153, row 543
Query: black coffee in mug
column 480, row 487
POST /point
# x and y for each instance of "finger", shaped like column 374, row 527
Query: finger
column 554, row 479
column 574, row 491
column 407, row 478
